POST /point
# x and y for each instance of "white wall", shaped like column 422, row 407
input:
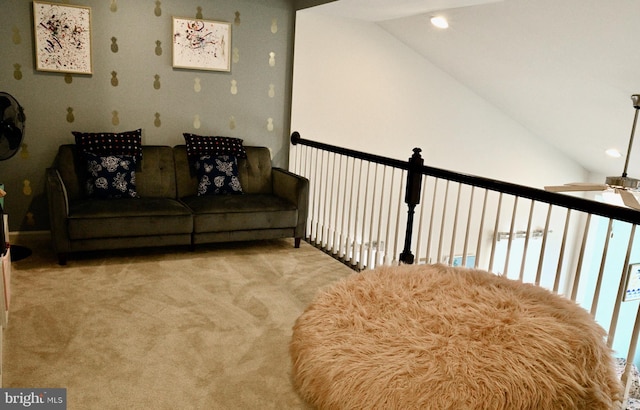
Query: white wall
column 357, row 86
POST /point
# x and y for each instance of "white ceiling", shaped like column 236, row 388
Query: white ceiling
column 564, row 69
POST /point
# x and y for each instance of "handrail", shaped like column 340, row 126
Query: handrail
column 553, row 198
column 296, row 139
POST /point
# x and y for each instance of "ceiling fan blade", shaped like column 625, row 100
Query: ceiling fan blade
column 628, row 199
column 577, row 186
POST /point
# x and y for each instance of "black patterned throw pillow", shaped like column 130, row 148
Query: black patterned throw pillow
column 198, row 145
column 111, row 176
column 217, row 175
column 109, row 143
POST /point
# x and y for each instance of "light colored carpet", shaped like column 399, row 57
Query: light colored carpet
column 436, row 337
column 158, row 329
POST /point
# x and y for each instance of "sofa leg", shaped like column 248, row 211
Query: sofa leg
column 62, row 259
column 297, row 242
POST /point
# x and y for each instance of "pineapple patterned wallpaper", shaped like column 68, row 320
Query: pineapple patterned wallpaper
column 134, row 85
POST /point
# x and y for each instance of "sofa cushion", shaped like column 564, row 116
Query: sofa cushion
column 218, row 213
column 109, row 143
column 255, row 171
column 128, row 217
column 217, row 175
column 156, row 173
column 198, row 145
column 111, row 176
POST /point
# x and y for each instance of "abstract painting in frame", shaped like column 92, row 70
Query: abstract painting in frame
column 62, row 34
column 201, row 44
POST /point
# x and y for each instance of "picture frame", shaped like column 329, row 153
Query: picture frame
column 201, row 44
column 632, row 285
column 62, row 36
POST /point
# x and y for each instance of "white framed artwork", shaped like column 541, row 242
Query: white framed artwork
column 201, row 44
column 632, row 288
column 62, row 35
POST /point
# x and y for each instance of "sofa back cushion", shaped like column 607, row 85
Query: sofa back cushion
column 155, row 175
column 254, row 172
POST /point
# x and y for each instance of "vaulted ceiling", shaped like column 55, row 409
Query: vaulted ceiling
column 564, row 69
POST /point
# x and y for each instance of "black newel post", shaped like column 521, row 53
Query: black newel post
column 295, row 137
column 412, row 198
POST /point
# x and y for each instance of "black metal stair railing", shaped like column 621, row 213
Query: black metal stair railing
column 369, row 210
column 416, row 169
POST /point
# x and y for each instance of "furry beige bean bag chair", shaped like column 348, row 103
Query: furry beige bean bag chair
column 435, row 337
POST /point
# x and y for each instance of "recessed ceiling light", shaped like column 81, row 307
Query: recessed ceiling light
column 439, row 22
column 614, row 153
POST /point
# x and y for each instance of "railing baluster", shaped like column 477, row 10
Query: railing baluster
column 527, row 237
column 387, row 238
column 482, row 217
column 308, row 168
column 633, row 344
column 322, row 170
column 432, row 221
column 556, row 282
column 312, row 187
column 380, row 251
column 304, row 156
column 455, row 228
column 364, row 236
column 511, row 235
column 373, row 207
column 583, row 247
column 344, row 237
column 421, row 218
column 350, row 238
column 440, row 255
column 603, row 261
column 495, row 234
column 465, row 247
column 621, row 289
column 316, row 214
column 327, row 189
column 321, row 196
column 335, row 248
column 543, row 247
column 293, row 159
column 354, row 245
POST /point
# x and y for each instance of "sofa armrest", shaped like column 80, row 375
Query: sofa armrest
column 58, row 211
column 295, row 189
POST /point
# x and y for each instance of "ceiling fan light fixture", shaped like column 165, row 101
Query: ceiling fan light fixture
column 440, row 22
column 623, row 182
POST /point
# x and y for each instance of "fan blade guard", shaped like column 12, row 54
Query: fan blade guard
column 11, row 126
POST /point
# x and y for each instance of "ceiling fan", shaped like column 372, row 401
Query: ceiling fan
column 621, row 185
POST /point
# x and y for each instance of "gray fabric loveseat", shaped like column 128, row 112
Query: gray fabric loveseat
column 167, row 209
